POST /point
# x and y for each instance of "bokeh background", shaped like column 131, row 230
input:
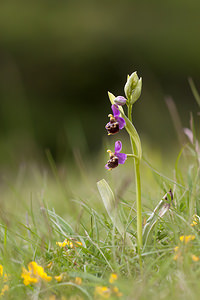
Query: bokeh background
column 58, row 59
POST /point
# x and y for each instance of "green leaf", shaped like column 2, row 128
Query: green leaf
column 111, row 208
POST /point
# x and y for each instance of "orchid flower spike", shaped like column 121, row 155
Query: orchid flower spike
column 116, row 122
column 116, row 158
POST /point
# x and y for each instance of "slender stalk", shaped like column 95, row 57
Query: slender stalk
column 138, row 188
column 132, row 155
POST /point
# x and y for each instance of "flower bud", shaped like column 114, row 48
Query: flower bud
column 131, row 84
column 133, row 88
column 120, row 100
column 137, row 92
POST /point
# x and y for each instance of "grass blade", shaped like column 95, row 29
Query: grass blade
column 194, row 90
column 160, row 210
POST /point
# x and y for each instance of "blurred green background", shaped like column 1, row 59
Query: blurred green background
column 58, row 59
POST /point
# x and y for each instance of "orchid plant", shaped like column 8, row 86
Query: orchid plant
column 118, row 121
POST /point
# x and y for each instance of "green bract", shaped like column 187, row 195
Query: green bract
column 137, row 92
column 131, row 84
column 133, row 88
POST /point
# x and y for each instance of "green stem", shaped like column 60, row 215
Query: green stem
column 132, row 155
column 138, row 188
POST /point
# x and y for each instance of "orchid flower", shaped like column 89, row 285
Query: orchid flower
column 116, row 122
column 116, row 158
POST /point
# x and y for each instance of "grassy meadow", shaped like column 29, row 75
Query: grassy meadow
column 59, row 241
column 70, row 229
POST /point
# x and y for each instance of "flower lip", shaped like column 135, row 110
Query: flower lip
column 116, row 122
column 117, row 157
column 113, row 126
column 112, row 162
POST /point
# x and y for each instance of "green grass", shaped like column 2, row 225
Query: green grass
column 40, row 207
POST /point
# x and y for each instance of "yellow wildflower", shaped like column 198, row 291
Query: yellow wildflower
column 117, row 292
column 49, row 265
column 187, row 238
column 1, row 270
column 176, row 256
column 5, row 276
column 34, row 273
column 5, row 279
column 178, row 253
column 27, row 276
column 77, row 243
column 194, row 223
column 78, row 280
column 4, row 289
column 195, row 258
column 63, row 244
column 69, row 243
column 113, row 278
column 59, row 278
column 103, row 291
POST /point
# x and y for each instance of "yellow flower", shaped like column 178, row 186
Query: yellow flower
column 63, row 244
column 5, row 276
column 117, row 292
column 194, row 223
column 49, row 265
column 59, row 278
column 34, row 273
column 187, row 238
column 4, row 289
column 38, row 271
column 78, row 280
column 5, row 279
column 176, row 256
column 27, row 276
column 77, row 243
column 178, row 253
column 1, row 270
column 113, row 278
column 103, row 291
column 195, row 258
column 69, row 243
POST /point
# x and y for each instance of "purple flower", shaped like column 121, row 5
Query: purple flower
column 116, row 158
column 120, row 100
column 116, row 122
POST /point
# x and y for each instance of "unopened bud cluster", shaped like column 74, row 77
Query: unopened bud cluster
column 133, row 88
